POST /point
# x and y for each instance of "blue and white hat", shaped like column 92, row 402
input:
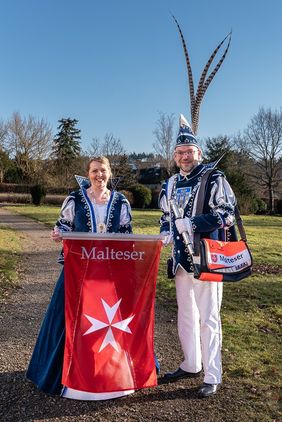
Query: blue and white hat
column 185, row 135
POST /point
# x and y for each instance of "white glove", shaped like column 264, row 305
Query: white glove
column 167, row 239
column 184, row 225
column 56, row 234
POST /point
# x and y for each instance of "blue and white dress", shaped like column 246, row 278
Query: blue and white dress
column 77, row 214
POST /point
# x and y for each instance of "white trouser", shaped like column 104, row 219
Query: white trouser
column 199, row 325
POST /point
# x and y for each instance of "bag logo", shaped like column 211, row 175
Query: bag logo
column 214, row 257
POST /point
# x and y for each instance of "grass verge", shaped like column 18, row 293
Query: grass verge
column 10, row 246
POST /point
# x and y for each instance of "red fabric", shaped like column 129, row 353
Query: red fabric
column 123, row 274
column 211, row 277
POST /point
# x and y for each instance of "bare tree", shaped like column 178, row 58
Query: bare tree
column 29, row 142
column 3, row 151
column 95, row 148
column 164, row 139
column 110, row 147
column 263, row 139
column 3, row 134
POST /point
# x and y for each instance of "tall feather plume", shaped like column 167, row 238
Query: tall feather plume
column 205, row 79
column 189, row 68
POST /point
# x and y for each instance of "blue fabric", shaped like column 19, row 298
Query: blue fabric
column 157, row 364
column 186, row 137
column 45, row 367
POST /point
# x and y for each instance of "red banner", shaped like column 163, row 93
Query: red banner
column 109, row 307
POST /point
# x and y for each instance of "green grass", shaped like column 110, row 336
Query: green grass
column 251, row 310
column 49, row 214
column 251, row 315
column 46, row 214
column 264, row 238
column 10, row 246
column 263, row 232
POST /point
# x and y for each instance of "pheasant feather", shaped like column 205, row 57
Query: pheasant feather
column 205, row 79
column 188, row 64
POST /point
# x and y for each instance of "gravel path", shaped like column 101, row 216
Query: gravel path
column 20, row 317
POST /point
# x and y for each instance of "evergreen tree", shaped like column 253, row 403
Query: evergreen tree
column 66, row 147
column 141, row 156
column 216, row 148
column 233, row 165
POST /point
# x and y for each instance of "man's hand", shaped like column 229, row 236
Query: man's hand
column 183, row 225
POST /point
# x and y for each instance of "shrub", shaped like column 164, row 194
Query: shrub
column 155, row 198
column 142, row 196
column 260, row 206
column 278, row 206
column 251, row 205
column 14, row 198
column 14, row 188
column 128, row 195
column 38, row 192
column 54, row 199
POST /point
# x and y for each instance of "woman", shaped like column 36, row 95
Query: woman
column 92, row 208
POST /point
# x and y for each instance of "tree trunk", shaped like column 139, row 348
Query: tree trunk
column 271, row 199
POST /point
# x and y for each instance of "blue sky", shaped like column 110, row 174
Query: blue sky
column 114, row 64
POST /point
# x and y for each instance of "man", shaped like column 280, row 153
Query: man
column 199, row 302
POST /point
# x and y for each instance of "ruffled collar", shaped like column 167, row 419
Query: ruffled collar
column 83, row 182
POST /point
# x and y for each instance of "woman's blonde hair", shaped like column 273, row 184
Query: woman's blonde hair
column 101, row 159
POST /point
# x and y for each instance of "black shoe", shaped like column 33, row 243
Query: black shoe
column 179, row 374
column 207, row 390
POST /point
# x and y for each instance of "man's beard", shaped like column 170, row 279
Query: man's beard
column 191, row 166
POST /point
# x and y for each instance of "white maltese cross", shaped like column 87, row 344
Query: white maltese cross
column 98, row 325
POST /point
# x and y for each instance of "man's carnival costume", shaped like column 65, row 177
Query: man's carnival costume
column 218, row 207
column 197, row 299
column 199, row 302
column 77, row 214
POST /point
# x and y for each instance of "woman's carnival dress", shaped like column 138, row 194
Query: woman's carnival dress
column 77, row 214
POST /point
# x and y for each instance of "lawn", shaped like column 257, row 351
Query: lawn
column 263, row 232
column 251, row 309
column 10, row 247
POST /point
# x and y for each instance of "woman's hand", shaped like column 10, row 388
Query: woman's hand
column 167, row 239
column 56, row 235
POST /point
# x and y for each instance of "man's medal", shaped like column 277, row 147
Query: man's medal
column 182, row 196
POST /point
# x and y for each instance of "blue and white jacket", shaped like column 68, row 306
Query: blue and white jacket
column 218, row 210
